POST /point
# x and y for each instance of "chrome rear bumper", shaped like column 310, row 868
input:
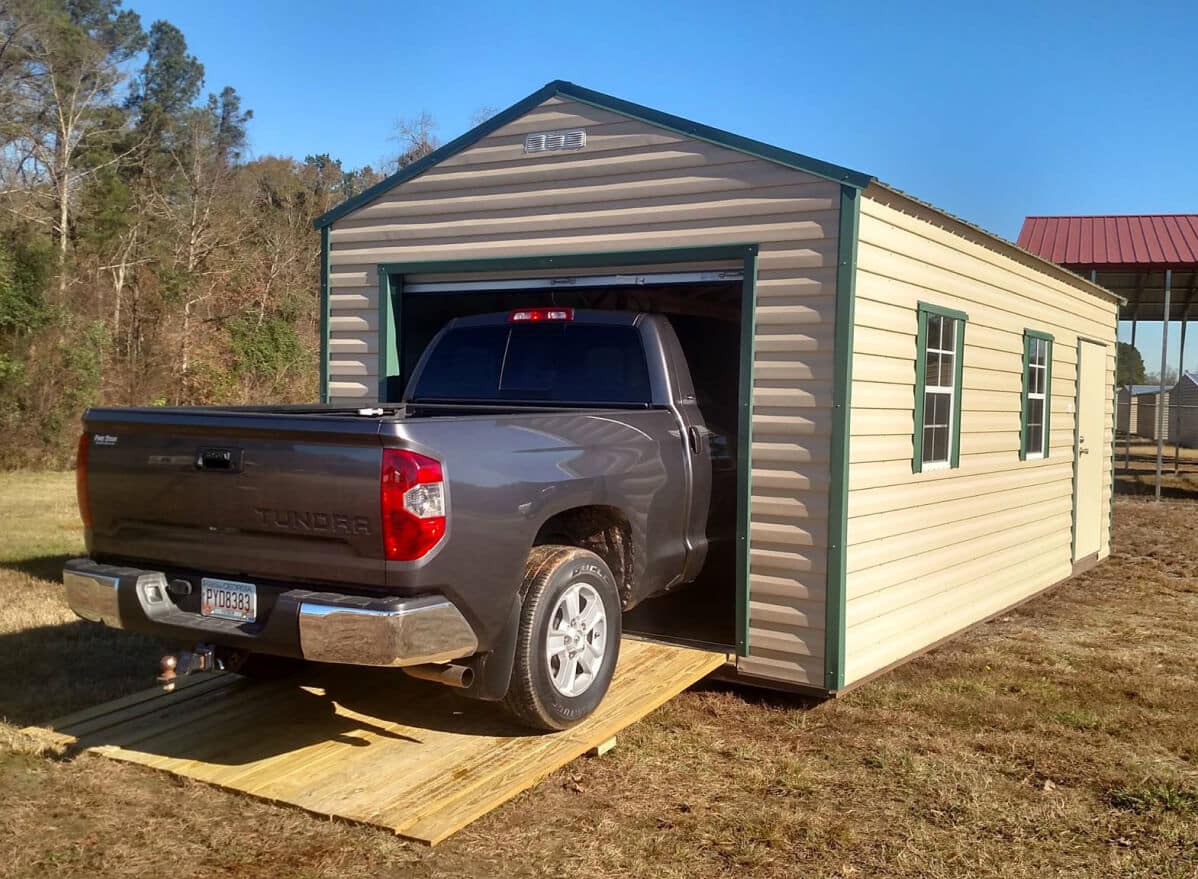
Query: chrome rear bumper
column 324, row 627
column 411, row 632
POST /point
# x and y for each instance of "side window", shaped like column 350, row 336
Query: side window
column 1037, row 395
column 940, row 349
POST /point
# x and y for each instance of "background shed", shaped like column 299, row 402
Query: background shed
column 850, row 556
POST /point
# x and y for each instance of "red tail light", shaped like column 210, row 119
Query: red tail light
column 412, row 494
column 538, row 314
column 85, row 507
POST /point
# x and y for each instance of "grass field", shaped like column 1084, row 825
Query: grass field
column 1059, row 740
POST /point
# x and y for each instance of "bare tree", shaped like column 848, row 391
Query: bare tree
column 416, row 136
column 482, row 114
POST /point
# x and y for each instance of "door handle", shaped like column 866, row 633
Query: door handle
column 696, row 439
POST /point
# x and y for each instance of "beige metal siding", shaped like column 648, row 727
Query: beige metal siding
column 637, row 187
column 1128, row 413
column 1185, row 412
column 1146, row 416
column 931, row 553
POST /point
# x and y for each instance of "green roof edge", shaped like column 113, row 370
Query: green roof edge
column 696, row 130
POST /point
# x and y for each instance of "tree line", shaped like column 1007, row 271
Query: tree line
column 145, row 257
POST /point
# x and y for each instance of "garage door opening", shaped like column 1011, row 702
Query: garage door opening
column 704, row 308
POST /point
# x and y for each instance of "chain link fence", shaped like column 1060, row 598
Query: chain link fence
column 1140, row 421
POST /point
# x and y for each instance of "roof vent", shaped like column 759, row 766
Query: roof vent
column 552, row 141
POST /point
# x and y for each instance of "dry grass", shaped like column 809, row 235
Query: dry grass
column 1057, row 741
column 1135, row 469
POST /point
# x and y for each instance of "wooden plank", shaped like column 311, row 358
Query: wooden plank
column 192, row 686
column 602, row 748
column 368, row 745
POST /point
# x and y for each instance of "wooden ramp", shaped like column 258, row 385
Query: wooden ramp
column 368, row 745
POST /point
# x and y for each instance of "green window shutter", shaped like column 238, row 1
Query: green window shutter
column 921, row 377
column 1030, row 337
column 924, row 311
column 958, row 389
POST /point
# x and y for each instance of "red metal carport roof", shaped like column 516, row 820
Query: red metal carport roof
column 1138, row 241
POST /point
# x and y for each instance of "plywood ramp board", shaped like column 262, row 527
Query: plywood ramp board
column 368, row 745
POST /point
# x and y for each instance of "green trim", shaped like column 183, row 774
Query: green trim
column 931, row 308
column 452, row 148
column 388, row 353
column 835, row 596
column 564, row 89
column 389, row 314
column 958, row 392
column 744, row 451
column 921, row 368
column 921, row 377
column 325, row 304
column 574, row 260
column 716, row 136
column 1028, row 336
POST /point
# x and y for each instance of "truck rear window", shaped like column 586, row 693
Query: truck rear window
column 558, row 363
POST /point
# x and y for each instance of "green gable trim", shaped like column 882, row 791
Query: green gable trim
column 452, row 148
column 324, row 314
column 835, row 598
column 921, row 366
column 719, row 137
column 1028, row 337
column 565, row 89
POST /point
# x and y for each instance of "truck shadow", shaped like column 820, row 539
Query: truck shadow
column 226, row 720
column 47, row 672
column 47, row 567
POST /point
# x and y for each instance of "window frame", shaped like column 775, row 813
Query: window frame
column 925, row 310
column 1030, row 336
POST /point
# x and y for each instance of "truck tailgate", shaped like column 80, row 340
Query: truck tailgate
column 241, row 493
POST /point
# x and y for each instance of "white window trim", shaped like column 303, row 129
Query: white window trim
column 1041, row 453
column 948, row 390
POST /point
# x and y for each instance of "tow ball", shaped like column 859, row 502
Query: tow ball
column 176, row 665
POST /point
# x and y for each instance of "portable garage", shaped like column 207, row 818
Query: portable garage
column 922, row 413
column 1136, row 409
column 1183, row 415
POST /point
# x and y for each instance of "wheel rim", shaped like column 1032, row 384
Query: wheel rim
column 577, row 640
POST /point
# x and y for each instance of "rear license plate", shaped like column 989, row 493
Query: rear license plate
column 228, row 600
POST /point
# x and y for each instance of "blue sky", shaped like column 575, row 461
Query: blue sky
column 991, row 111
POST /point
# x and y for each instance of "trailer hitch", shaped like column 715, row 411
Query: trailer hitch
column 176, row 665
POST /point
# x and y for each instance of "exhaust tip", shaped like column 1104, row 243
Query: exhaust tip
column 458, row 676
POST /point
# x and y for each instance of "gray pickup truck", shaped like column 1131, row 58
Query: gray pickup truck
column 547, row 469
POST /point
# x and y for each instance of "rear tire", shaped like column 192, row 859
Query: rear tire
column 569, row 638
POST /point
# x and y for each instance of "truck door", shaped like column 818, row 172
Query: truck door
column 696, row 448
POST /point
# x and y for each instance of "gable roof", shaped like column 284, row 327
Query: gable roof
column 561, row 88
column 1137, row 390
column 1132, row 241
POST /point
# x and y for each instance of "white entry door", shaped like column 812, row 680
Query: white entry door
column 1091, row 448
